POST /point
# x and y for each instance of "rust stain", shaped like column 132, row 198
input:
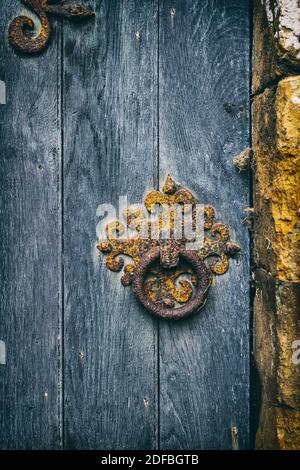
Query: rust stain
column 20, row 32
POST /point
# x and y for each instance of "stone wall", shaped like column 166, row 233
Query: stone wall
column 276, row 162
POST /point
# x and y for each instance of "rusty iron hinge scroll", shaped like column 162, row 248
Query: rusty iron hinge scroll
column 21, row 29
column 161, row 265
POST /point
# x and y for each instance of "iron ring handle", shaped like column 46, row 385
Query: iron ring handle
column 159, row 310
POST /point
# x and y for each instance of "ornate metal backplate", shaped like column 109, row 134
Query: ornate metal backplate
column 20, row 32
column 157, row 260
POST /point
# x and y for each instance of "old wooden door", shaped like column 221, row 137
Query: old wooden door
column 112, row 106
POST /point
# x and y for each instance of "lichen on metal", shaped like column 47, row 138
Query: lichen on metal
column 167, row 280
column 21, row 29
column 243, row 159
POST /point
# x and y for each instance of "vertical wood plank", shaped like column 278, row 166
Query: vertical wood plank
column 110, row 149
column 30, row 245
column 204, row 122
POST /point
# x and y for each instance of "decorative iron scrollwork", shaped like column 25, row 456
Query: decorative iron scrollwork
column 156, row 271
column 21, row 29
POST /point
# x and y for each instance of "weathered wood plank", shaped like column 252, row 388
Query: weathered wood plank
column 30, row 245
column 204, row 122
column 110, row 103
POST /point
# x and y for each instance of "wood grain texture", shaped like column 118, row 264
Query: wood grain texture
column 110, row 102
column 144, row 79
column 203, row 123
column 30, row 245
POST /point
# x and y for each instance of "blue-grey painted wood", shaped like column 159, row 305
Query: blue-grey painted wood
column 30, row 245
column 143, row 79
column 203, row 123
column 110, row 150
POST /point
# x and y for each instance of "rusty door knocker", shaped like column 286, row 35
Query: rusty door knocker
column 20, row 31
column 164, row 309
column 165, row 260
